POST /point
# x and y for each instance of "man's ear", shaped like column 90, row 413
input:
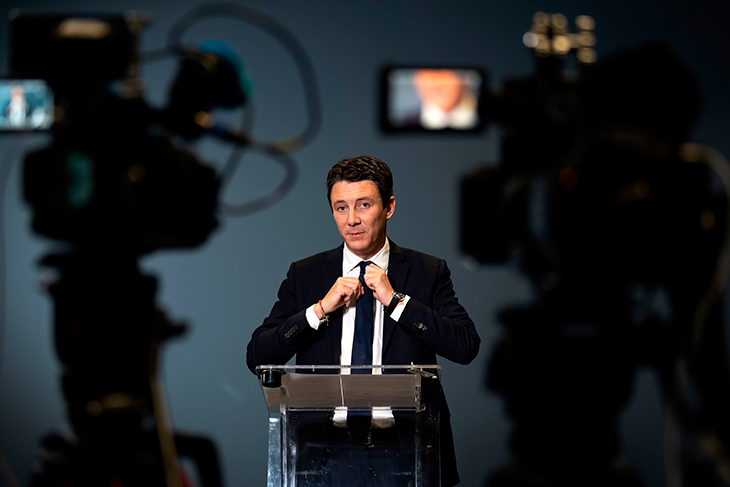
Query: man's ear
column 390, row 207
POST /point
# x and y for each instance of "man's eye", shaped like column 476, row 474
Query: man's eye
column 339, row 208
column 365, row 205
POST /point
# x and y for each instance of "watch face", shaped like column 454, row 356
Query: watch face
column 400, row 296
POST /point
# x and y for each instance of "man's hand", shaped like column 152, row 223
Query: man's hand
column 344, row 290
column 377, row 280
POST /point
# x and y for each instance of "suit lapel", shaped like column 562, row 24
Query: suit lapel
column 398, row 270
column 397, row 275
column 330, row 272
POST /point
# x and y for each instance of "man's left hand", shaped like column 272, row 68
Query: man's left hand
column 376, row 279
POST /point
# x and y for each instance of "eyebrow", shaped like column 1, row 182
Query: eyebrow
column 364, row 198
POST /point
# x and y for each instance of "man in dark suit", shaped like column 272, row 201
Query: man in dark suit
column 415, row 315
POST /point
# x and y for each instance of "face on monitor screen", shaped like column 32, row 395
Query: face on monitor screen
column 25, row 105
column 432, row 99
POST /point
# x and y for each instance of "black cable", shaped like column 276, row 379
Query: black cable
column 239, row 150
column 6, row 166
column 156, row 55
column 235, row 159
column 708, row 440
column 273, row 196
column 277, row 149
column 6, row 472
column 270, row 198
column 289, row 42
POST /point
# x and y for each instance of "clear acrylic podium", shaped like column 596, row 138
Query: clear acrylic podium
column 337, row 426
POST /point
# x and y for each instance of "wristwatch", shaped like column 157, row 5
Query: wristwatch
column 397, row 298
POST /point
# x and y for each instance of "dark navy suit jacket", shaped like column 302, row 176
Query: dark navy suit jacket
column 433, row 323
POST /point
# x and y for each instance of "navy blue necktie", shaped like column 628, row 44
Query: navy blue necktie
column 362, row 344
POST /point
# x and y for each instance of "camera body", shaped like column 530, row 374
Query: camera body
column 594, row 181
column 113, row 175
column 620, row 224
column 115, row 183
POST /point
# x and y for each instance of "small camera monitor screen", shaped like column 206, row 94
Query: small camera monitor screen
column 432, row 99
column 25, row 105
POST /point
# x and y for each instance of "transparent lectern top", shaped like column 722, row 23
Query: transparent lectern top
column 353, row 386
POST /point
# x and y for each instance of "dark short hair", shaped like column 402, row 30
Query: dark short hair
column 362, row 168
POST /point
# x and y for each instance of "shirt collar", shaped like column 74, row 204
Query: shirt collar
column 380, row 259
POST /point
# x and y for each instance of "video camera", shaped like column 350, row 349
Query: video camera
column 115, row 183
column 112, row 175
column 622, row 226
column 571, row 137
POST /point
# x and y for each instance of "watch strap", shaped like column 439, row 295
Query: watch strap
column 397, row 298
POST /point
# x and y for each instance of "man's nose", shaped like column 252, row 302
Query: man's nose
column 352, row 218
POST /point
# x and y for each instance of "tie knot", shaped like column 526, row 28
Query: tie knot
column 363, row 264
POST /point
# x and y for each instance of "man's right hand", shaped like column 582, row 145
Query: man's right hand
column 344, row 290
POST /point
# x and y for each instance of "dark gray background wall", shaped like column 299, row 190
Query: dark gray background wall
column 226, row 287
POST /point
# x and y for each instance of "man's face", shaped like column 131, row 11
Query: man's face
column 442, row 87
column 360, row 216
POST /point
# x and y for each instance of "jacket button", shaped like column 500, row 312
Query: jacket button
column 289, row 333
column 419, row 325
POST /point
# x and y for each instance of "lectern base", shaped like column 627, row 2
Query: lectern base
column 351, row 457
column 307, row 448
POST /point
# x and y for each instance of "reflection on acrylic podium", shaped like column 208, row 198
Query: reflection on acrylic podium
column 353, row 426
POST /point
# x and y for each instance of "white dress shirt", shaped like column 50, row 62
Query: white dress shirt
column 382, row 417
column 464, row 116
